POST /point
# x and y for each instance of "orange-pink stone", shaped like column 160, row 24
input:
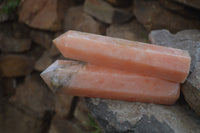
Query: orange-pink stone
column 81, row 79
column 135, row 57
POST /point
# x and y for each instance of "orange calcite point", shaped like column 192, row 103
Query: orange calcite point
column 157, row 61
column 81, row 79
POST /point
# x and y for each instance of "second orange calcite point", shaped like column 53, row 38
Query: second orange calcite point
column 135, row 57
column 81, row 79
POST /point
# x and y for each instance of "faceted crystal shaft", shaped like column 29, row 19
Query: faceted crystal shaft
column 82, row 79
column 135, row 57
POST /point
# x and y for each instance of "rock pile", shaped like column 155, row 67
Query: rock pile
column 188, row 40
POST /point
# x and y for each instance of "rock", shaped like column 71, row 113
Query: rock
column 46, row 14
column 33, row 97
column 9, row 86
column 76, row 19
column 19, row 30
column 15, row 65
column 180, row 9
column 81, row 113
column 11, row 44
column 14, row 37
column 4, row 17
column 187, row 40
column 120, row 3
column 191, row 89
column 131, row 31
column 42, row 38
column 47, row 58
column 43, row 62
column 153, row 16
column 132, row 117
column 14, row 120
column 106, row 13
column 62, row 104
column 61, row 125
column 14, row 30
column 36, row 52
column 53, row 51
column 192, row 3
column 193, row 35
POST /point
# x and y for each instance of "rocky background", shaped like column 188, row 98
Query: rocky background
column 27, row 28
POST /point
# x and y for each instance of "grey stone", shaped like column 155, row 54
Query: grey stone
column 193, row 35
column 133, row 117
column 153, row 16
column 131, row 31
column 191, row 89
column 187, row 40
column 76, row 19
column 104, row 12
